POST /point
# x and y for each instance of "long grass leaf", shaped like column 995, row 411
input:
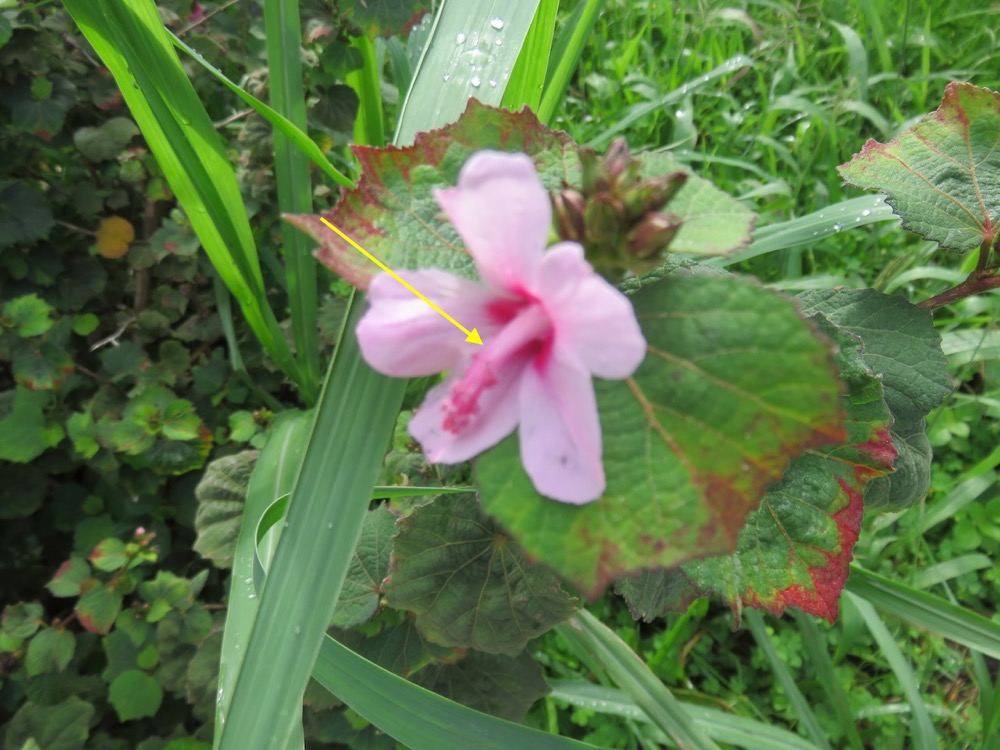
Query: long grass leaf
column 566, row 56
column 291, row 170
column 463, row 60
column 296, row 135
column 806, row 716
column 719, row 725
column 924, row 735
column 416, row 717
column 354, row 418
column 527, row 79
column 273, row 477
column 927, row 611
column 586, row 634
column 132, row 42
column 369, row 127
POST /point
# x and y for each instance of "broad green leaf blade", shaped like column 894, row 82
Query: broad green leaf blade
column 502, row 686
column 734, row 386
column 392, row 212
column 416, row 717
column 942, row 175
column 363, row 585
column 927, row 611
column 468, row 582
column 795, row 549
column 400, row 648
column 712, row 222
column 527, row 79
column 718, row 725
column 474, row 48
column 324, row 521
column 901, row 346
column 132, row 42
column 590, row 638
column 273, row 477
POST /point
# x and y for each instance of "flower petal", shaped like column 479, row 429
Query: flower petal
column 403, row 336
column 501, row 210
column 594, row 322
column 560, row 433
column 473, row 410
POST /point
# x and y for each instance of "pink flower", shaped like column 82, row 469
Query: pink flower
column 548, row 324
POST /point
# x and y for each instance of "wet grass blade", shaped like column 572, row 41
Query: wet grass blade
column 566, row 56
column 416, row 717
column 588, row 635
column 527, row 79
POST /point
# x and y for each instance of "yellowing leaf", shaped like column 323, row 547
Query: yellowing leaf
column 114, row 236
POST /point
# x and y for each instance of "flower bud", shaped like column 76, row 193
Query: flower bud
column 651, row 236
column 568, row 207
column 652, row 194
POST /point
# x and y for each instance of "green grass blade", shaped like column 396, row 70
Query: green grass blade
column 133, row 44
column 588, row 635
column 927, row 611
column 416, row 717
column 291, row 171
column 806, row 716
column 462, row 60
column 369, row 127
column 817, row 647
column 527, row 79
column 924, row 735
column 804, row 230
column 299, row 137
column 354, row 418
column 731, row 65
column 273, row 477
column 566, row 56
column 719, row 725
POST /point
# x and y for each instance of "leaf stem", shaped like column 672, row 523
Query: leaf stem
column 982, row 279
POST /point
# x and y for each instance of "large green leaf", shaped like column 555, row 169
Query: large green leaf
column 221, row 496
column 902, row 347
column 795, row 549
column 468, row 582
column 734, row 386
column 359, row 597
column 942, row 175
column 64, row 726
column 401, row 648
column 392, row 212
column 384, row 17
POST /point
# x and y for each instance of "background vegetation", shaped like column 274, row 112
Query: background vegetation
column 118, row 385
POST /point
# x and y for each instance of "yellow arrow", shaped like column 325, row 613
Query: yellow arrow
column 471, row 336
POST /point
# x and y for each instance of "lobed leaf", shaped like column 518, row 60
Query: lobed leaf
column 942, row 175
column 796, row 547
column 392, row 212
column 362, row 588
column 734, row 386
column 468, row 582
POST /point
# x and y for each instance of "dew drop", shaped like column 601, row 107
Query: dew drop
column 497, row 23
column 329, row 525
column 298, row 630
column 680, row 113
column 493, row 83
column 251, row 596
column 248, row 580
column 460, row 39
column 866, row 212
column 475, row 81
column 837, row 227
column 446, row 77
column 499, row 42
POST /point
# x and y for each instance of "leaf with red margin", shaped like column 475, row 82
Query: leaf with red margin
column 942, row 175
column 734, row 386
column 384, row 17
column 392, row 211
column 98, row 608
column 795, row 549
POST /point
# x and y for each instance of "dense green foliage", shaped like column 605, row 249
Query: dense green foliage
column 124, row 372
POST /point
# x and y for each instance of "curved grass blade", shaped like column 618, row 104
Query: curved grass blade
column 132, row 42
column 809, row 721
column 849, row 214
column 297, row 136
column 588, row 635
column 719, row 725
column 924, row 735
column 416, row 717
column 566, row 54
column 527, row 79
column 927, row 611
